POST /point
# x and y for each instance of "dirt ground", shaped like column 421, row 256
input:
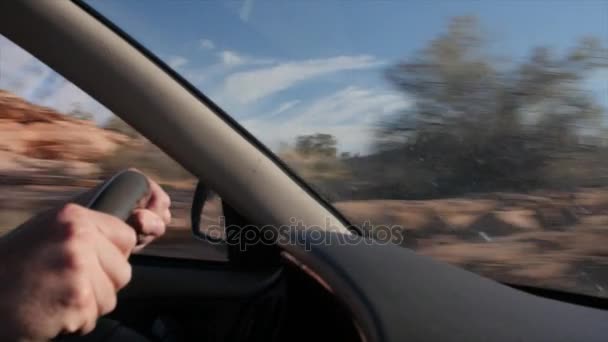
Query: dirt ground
column 549, row 239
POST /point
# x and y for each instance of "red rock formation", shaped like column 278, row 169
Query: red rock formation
column 35, row 137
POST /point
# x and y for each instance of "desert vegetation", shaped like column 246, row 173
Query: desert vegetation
column 499, row 165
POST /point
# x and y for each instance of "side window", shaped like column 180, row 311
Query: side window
column 56, row 142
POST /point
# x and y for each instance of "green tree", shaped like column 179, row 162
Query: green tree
column 319, row 144
column 480, row 122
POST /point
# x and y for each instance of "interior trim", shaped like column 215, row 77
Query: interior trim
column 421, row 299
column 181, row 278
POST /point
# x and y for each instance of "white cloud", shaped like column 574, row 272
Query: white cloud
column 252, row 85
column 351, row 105
column 246, row 9
column 207, row 44
column 212, row 74
column 283, row 107
column 27, row 77
column 19, row 71
column 231, row 58
column 350, row 114
column 177, row 62
column 67, row 97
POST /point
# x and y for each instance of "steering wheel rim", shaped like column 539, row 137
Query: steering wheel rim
column 120, row 194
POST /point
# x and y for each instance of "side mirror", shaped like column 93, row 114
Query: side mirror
column 215, row 232
column 229, row 230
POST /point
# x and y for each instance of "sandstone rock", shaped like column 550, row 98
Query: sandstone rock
column 38, row 138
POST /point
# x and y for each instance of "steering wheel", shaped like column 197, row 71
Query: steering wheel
column 117, row 196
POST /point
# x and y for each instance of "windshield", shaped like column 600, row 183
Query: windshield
column 476, row 128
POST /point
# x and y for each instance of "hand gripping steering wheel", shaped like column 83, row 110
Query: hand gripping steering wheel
column 117, row 196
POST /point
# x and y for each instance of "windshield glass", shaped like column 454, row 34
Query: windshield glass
column 476, row 128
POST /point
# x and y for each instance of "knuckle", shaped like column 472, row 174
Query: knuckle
column 72, row 231
column 108, row 305
column 82, row 298
column 69, row 213
column 89, row 326
column 140, row 216
column 125, row 276
column 89, row 321
column 162, row 198
column 71, row 326
column 72, row 226
column 73, row 259
column 79, row 296
column 129, row 238
column 163, row 226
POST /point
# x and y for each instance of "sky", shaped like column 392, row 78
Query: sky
column 287, row 68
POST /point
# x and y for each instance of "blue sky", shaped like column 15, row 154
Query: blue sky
column 284, row 68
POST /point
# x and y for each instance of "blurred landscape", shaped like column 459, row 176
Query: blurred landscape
column 499, row 166
column 47, row 158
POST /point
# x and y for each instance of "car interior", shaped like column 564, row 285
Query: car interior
column 288, row 290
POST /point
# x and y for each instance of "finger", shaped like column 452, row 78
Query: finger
column 142, row 242
column 114, row 265
column 147, row 223
column 84, row 316
column 115, row 230
column 103, row 286
column 78, row 298
column 159, row 200
column 166, row 216
column 79, row 321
